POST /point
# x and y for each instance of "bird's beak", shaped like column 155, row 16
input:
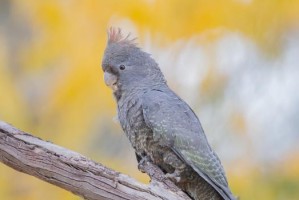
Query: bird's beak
column 110, row 80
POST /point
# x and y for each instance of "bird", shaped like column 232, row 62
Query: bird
column 160, row 126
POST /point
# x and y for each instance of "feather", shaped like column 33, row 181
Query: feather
column 115, row 35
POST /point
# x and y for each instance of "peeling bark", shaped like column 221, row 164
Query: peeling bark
column 78, row 174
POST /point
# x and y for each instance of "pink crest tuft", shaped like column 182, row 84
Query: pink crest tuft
column 115, row 36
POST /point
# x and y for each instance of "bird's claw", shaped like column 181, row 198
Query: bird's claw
column 142, row 163
column 175, row 176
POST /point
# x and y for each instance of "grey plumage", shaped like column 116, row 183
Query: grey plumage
column 159, row 124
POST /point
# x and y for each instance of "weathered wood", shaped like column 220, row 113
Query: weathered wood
column 76, row 173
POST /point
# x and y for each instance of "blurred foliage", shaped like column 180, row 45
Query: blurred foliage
column 51, row 81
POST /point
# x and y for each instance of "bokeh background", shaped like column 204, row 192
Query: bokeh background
column 234, row 61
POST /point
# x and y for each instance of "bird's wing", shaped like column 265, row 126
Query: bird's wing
column 175, row 125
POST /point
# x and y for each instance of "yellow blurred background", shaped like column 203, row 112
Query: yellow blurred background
column 234, row 61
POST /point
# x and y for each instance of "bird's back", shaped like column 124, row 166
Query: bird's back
column 173, row 121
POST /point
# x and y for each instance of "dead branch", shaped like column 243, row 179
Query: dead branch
column 76, row 173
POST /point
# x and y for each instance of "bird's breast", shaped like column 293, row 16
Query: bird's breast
column 140, row 135
column 132, row 121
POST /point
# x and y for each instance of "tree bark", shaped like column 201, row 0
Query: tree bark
column 78, row 174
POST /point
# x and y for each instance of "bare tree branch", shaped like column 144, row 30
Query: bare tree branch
column 76, row 173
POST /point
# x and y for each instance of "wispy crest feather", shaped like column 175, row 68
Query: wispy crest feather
column 115, row 36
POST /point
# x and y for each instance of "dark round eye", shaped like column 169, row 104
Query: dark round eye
column 122, row 67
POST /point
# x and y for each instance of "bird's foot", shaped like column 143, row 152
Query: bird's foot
column 142, row 163
column 175, row 176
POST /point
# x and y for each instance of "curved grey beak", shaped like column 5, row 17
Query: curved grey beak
column 110, row 80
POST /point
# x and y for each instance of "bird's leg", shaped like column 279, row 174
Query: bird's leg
column 175, row 176
column 171, row 159
column 142, row 160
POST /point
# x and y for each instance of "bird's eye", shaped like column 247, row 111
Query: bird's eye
column 122, row 67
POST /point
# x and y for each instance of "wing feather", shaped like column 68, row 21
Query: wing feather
column 175, row 125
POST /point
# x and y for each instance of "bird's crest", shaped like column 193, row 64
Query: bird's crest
column 115, row 36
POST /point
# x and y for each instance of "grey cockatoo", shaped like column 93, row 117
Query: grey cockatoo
column 160, row 125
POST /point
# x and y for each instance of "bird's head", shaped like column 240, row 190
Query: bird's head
column 126, row 67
